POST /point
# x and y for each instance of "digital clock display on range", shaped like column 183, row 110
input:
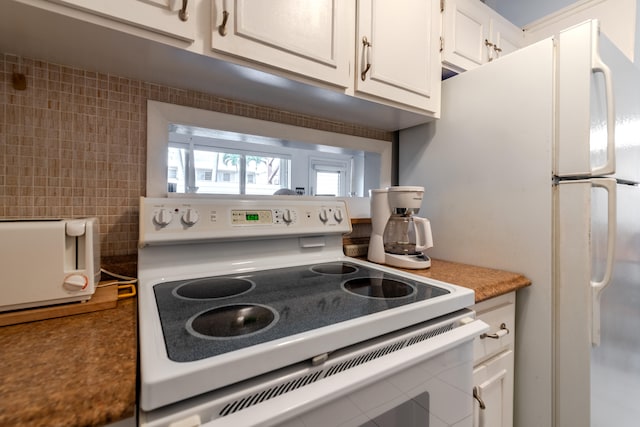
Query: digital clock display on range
column 251, row 217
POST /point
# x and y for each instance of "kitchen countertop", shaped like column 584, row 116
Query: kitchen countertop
column 486, row 282
column 77, row 370
column 81, row 370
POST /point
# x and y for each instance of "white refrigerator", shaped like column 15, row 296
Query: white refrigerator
column 533, row 168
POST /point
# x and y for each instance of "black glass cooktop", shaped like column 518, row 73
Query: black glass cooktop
column 210, row 316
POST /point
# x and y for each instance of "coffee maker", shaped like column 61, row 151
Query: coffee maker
column 398, row 237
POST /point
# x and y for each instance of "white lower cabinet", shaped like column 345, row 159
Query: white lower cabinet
column 494, row 363
column 493, row 391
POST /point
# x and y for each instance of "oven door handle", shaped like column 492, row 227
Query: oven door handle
column 293, row 404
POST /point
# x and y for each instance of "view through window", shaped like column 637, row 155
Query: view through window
column 210, row 161
column 213, row 171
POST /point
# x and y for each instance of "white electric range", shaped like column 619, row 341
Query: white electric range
column 250, row 314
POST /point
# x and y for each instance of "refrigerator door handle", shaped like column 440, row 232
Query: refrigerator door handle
column 598, row 66
column 609, row 184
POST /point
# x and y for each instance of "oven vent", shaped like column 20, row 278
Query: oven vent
column 356, row 361
column 269, row 393
column 430, row 334
column 351, row 363
column 324, row 372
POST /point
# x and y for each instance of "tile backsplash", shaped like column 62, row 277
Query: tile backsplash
column 73, row 143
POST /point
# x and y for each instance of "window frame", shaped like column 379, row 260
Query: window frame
column 160, row 116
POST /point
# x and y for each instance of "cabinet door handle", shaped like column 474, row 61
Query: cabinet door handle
column 476, row 395
column 366, row 51
column 489, row 45
column 222, row 28
column 183, row 14
column 496, row 335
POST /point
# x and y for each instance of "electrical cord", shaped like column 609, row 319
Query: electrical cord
column 123, row 282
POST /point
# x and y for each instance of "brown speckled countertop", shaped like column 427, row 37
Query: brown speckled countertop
column 71, row 371
column 486, row 282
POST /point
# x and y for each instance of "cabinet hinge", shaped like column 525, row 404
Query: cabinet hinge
column 441, row 44
column 441, row 5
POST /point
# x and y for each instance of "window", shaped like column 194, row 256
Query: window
column 329, row 177
column 235, row 171
column 328, row 183
column 203, row 174
column 173, row 173
column 261, row 156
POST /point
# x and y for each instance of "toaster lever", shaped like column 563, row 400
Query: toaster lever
column 75, row 228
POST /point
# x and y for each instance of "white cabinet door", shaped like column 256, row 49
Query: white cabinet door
column 474, row 34
column 398, row 52
column 493, row 355
column 310, row 38
column 466, row 35
column 506, row 37
column 169, row 17
column 493, row 392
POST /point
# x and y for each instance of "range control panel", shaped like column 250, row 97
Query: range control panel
column 166, row 220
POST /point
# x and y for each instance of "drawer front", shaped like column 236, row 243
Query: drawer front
column 499, row 314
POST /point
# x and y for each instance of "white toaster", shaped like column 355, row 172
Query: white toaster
column 46, row 262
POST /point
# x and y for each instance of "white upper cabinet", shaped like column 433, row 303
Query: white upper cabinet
column 380, row 51
column 506, row 37
column 310, row 38
column 171, row 18
column 398, row 56
column 300, row 56
column 474, row 34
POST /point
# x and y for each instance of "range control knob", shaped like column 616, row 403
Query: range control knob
column 190, row 217
column 286, row 216
column 338, row 215
column 163, row 217
column 323, row 215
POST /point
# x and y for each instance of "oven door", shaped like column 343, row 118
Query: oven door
column 426, row 383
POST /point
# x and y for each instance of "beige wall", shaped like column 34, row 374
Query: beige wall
column 72, row 144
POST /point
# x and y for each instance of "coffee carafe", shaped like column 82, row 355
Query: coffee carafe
column 399, row 237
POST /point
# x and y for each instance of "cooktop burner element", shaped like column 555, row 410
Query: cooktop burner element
column 214, row 288
column 379, row 288
column 302, row 298
column 232, row 321
column 334, row 268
